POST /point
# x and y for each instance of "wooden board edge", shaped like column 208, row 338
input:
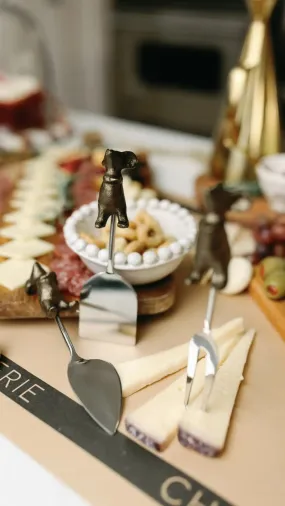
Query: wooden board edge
column 269, row 307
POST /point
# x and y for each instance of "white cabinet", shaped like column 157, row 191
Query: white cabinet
column 78, row 37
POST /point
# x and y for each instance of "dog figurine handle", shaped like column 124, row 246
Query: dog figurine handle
column 212, row 248
column 111, row 200
column 45, row 286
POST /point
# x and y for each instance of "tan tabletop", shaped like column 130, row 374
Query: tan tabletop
column 249, row 473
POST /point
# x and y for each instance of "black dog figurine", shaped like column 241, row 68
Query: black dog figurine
column 111, row 199
column 45, row 286
column 212, row 248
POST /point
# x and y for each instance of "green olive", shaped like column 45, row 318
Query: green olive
column 271, row 264
column 274, row 285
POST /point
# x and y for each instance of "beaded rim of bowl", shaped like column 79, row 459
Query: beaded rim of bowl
column 131, row 261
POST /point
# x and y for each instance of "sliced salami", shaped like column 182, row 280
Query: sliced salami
column 77, row 282
column 63, row 264
column 63, row 279
column 63, row 251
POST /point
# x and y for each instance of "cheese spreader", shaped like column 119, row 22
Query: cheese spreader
column 108, row 304
column 95, row 382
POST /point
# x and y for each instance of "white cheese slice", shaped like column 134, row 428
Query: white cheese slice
column 31, row 215
column 21, row 194
column 57, row 152
column 155, row 423
column 37, row 185
column 37, row 164
column 14, row 217
column 27, row 230
column 21, row 249
column 139, row 373
column 19, row 219
column 14, row 273
column 37, row 203
column 206, row 432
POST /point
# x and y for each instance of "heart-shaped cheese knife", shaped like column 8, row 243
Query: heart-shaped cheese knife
column 95, row 382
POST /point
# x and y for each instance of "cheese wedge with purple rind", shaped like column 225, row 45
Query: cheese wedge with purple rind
column 206, row 431
column 155, row 423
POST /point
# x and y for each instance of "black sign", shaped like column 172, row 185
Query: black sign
column 161, row 481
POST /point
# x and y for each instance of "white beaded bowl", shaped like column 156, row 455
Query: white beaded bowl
column 135, row 268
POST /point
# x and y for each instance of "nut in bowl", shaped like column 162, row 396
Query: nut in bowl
column 160, row 234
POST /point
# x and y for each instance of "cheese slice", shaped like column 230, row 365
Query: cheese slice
column 37, row 203
column 139, row 373
column 206, row 432
column 20, row 220
column 41, row 180
column 14, row 217
column 31, row 215
column 21, row 195
column 38, row 163
column 155, row 423
column 27, row 230
column 20, row 249
column 14, row 273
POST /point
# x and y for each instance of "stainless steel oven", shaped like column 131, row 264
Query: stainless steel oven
column 171, row 66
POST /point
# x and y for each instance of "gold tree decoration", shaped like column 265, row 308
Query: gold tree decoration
column 250, row 125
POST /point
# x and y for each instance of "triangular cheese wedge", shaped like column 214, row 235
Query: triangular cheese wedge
column 155, row 423
column 20, row 250
column 206, row 432
column 15, row 273
column 144, row 371
column 28, row 230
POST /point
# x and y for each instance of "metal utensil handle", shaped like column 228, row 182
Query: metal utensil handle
column 45, row 286
column 66, row 338
column 210, row 310
column 111, row 246
column 111, row 199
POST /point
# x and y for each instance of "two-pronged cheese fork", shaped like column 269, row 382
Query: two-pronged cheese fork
column 203, row 341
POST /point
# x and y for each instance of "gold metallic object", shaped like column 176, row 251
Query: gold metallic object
column 249, row 127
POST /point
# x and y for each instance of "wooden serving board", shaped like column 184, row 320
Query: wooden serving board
column 16, row 304
column 153, row 299
column 274, row 310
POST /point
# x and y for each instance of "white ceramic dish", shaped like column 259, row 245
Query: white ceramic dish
column 271, row 178
column 174, row 220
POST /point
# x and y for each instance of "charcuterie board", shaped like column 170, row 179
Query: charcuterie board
column 58, row 434
column 50, row 250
